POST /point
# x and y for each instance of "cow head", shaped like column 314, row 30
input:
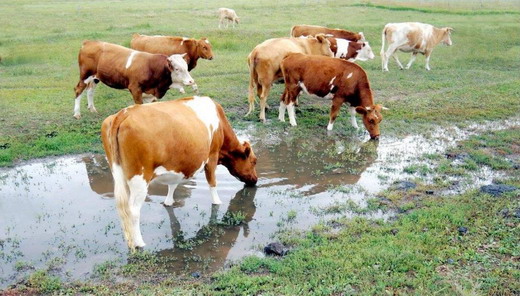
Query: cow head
column 179, row 70
column 446, row 38
column 204, row 49
column 361, row 36
column 237, row 20
column 371, row 119
column 364, row 53
column 323, row 46
column 241, row 163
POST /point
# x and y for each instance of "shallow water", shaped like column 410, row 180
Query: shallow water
column 59, row 213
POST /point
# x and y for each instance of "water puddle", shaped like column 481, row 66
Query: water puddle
column 59, row 213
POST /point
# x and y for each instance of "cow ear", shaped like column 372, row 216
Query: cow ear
column 362, row 36
column 321, row 38
column 169, row 65
column 247, row 149
column 361, row 110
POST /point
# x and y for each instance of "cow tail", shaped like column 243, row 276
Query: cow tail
column 253, row 77
column 383, row 37
column 121, row 191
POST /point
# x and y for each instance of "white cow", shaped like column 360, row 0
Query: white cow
column 227, row 15
column 412, row 37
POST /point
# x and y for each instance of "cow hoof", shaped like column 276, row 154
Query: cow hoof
column 77, row 116
column 93, row 110
column 167, row 204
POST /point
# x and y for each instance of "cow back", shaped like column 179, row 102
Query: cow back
column 306, row 30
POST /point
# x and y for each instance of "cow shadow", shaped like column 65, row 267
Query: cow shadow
column 208, row 249
column 316, row 164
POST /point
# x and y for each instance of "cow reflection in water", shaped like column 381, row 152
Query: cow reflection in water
column 209, row 248
column 316, row 164
column 101, row 180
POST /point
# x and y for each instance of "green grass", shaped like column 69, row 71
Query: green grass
column 470, row 81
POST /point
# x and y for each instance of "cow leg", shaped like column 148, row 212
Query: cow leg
column 291, row 110
column 352, row 111
column 138, row 189
column 412, row 59
column 398, row 62
column 386, row 56
column 209, row 170
column 334, row 112
column 427, row 54
column 168, row 201
column 281, row 111
column 263, row 101
column 137, row 94
column 90, row 95
column 80, row 87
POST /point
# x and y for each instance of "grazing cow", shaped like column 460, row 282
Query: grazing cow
column 168, row 45
column 169, row 142
column 123, row 68
column 264, row 63
column 307, row 30
column 330, row 78
column 351, row 50
column 412, row 37
column 227, row 15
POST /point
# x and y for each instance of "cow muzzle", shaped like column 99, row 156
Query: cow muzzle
column 374, row 137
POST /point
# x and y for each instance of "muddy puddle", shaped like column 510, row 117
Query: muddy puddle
column 59, row 213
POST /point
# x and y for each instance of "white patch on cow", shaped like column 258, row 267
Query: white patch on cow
column 180, row 72
column 207, row 41
column 214, row 196
column 365, row 53
column 170, row 178
column 292, row 114
column 130, row 59
column 77, row 104
column 206, row 111
column 353, row 121
column 89, row 79
column 138, row 188
column 281, row 111
column 303, row 87
column 332, row 80
column 349, row 75
column 342, row 48
column 330, row 126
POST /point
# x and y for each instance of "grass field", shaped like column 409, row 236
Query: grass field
column 474, row 81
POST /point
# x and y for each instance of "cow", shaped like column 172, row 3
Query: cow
column 168, row 45
column 329, row 78
column 307, row 30
column 169, row 142
column 264, row 63
column 227, row 15
column 123, row 68
column 412, row 37
column 351, row 50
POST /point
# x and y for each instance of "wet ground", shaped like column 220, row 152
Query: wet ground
column 58, row 213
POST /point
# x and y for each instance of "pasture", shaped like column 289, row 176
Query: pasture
column 326, row 195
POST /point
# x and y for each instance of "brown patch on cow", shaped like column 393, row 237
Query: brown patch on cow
column 169, row 45
column 308, row 30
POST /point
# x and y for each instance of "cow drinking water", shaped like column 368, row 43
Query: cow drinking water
column 329, row 78
column 169, row 142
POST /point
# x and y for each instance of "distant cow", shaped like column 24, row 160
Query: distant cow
column 169, row 142
column 168, row 45
column 307, row 30
column 351, row 50
column 123, row 68
column 412, row 37
column 227, row 15
column 329, row 78
column 264, row 63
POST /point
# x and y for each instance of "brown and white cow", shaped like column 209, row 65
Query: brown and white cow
column 330, row 78
column 170, row 142
column 168, row 45
column 123, row 68
column 351, row 50
column 412, row 37
column 264, row 63
column 308, row 30
column 227, row 15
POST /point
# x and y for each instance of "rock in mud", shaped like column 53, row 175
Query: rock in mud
column 276, row 249
column 456, row 156
column 404, row 185
column 195, row 274
column 497, row 189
